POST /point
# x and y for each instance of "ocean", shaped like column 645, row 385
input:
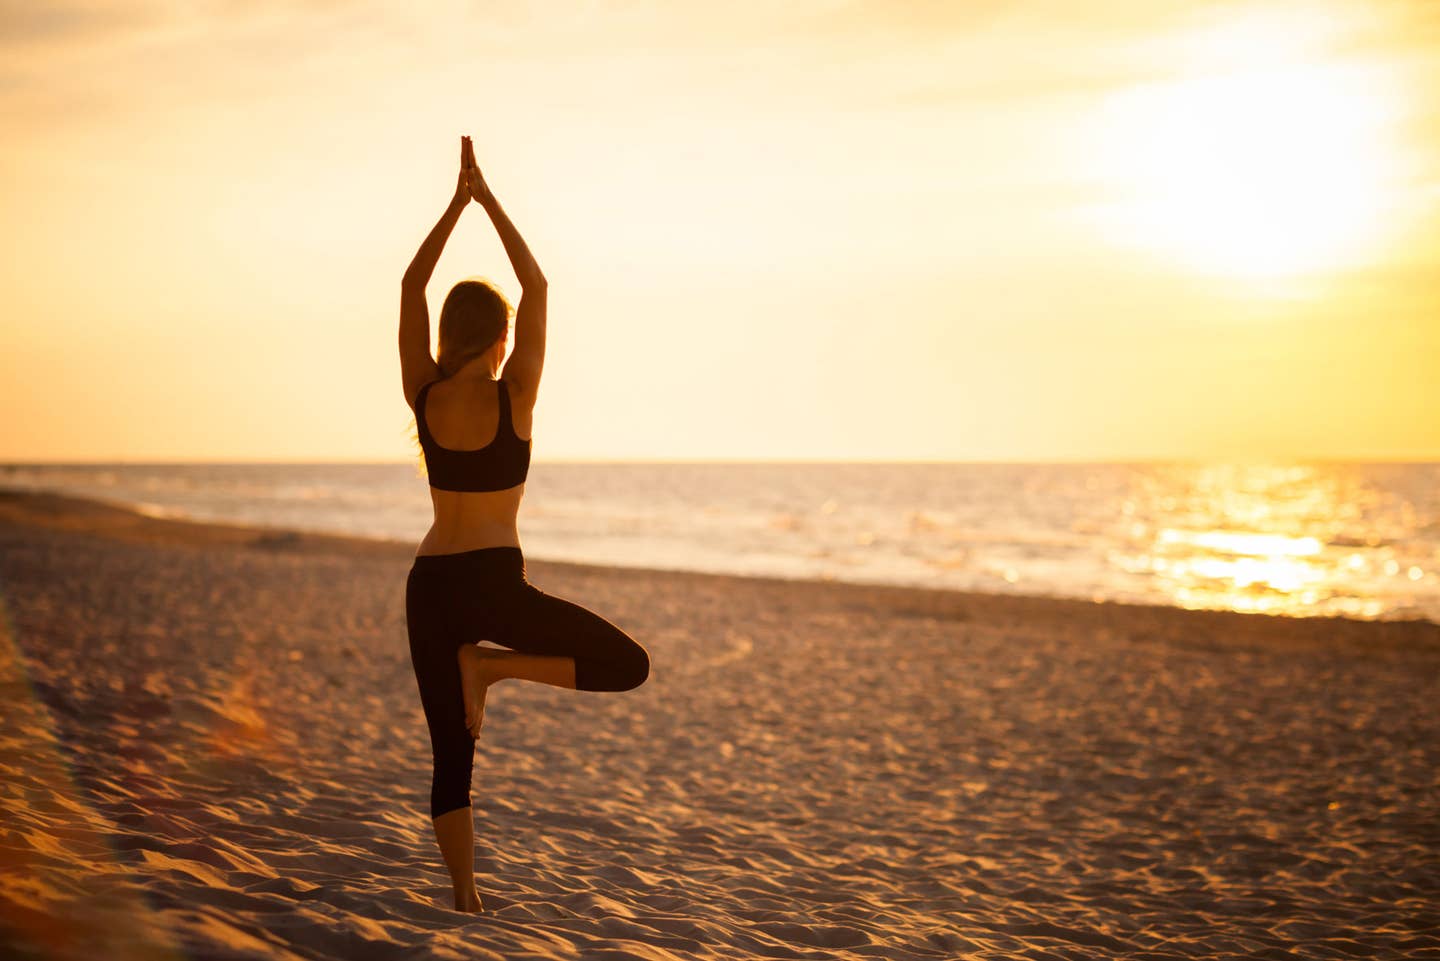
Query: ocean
column 1302, row 539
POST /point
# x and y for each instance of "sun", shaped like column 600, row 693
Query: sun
column 1256, row 160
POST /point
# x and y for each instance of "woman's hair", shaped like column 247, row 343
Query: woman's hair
column 475, row 315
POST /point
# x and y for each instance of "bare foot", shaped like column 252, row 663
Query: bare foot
column 470, row 903
column 477, row 673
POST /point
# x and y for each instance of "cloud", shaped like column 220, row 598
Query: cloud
column 27, row 25
column 75, row 62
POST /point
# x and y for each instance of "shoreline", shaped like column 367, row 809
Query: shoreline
column 115, row 521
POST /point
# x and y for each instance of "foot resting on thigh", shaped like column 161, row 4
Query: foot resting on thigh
column 478, row 670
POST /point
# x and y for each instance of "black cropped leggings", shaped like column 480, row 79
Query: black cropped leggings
column 454, row 599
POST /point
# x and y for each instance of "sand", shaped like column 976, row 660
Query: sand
column 213, row 748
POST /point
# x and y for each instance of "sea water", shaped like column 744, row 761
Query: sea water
column 1353, row 539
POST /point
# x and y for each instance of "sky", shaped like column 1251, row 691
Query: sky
column 921, row 231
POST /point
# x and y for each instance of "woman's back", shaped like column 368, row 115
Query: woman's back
column 464, row 414
column 476, row 461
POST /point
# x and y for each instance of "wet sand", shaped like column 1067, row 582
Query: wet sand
column 213, row 747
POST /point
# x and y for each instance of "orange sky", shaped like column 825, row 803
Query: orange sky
column 1110, row 231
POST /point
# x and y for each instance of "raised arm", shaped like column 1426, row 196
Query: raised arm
column 417, row 366
column 526, row 270
column 528, row 358
column 423, row 264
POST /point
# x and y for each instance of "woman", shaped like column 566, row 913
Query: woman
column 467, row 582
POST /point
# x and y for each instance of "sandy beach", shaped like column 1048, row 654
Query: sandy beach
column 213, row 748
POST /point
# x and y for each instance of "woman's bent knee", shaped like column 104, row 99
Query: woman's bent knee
column 640, row 669
column 621, row 674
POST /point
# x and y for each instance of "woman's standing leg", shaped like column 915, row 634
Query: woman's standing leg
column 430, row 612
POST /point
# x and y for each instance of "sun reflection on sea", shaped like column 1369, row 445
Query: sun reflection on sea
column 1292, row 539
column 1246, row 571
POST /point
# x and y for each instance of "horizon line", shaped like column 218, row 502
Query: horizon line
column 1273, row 461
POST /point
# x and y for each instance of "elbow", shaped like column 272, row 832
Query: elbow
column 535, row 282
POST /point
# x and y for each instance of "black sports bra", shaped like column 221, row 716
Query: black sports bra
column 503, row 463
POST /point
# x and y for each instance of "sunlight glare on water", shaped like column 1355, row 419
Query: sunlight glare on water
column 1264, row 539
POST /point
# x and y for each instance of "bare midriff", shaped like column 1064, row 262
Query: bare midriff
column 470, row 520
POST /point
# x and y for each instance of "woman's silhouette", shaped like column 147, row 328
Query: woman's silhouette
column 467, row 582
